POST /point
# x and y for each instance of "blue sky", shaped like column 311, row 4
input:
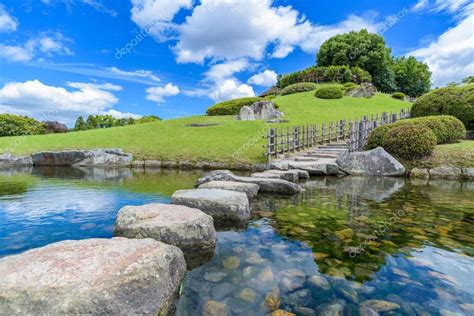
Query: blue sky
column 63, row 58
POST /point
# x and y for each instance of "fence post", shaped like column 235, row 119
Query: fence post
column 271, row 145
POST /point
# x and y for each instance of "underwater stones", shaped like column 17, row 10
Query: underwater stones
column 320, row 256
column 265, row 184
column 375, row 162
column 231, row 263
column 93, row 276
column 272, row 301
column 226, row 207
column 248, row 188
column 291, row 280
column 266, row 275
column 221, row 290
column 247, row 294
column 298, row 298
column 448, row 173
column 331, row 309
column 187, row 228
column 214, row 277
column 381, row 305
column 281, row 312
column 213, row 308
column 319, row 282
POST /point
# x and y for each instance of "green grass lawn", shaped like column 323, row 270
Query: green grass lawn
column 174, row 140
column 456, row 155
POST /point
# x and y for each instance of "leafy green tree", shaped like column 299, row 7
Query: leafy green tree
column 80, row 124
column 362, row 49
column 147, row 119
column 468, row 80
column 412, row 77
column 92, row 122
column 16, row 125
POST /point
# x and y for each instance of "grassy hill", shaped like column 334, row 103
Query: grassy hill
column 176, row 140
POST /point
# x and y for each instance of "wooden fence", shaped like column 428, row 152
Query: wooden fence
column 285, row 140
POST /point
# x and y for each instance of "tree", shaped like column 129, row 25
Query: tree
column 16, row 125
column 468, row 80
column 412, row 77
column 362, row 49
column 80, row 124
column 92, row 122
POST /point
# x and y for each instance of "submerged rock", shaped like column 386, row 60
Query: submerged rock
column 93, row 276
column 226, row 207
column 291, row 280
column 319, row 282
column 213, row 308
column 248, row 188
column 187, row 228
column 375, row 162
column 380, row 305
column 418, row 173
column 265, row 184
column 83, row 158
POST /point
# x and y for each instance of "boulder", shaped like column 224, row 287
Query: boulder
column 447, row 173
column 288, row 175
column 375, row 162
column 115, row 276
column 152, row 164
column 322, row 167
column 468, row 173
column 364, row 90
column 246, row 114
column 187, row 228
column 265, row 175
column 11, row 160
column 250, row 189
column 265, row 110
column 83, row 158
column 226, row 207
column 418, row 173
column 265, row 184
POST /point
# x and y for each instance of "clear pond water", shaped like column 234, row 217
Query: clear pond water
column 344, row 246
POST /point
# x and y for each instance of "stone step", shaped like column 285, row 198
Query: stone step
column 320, row 155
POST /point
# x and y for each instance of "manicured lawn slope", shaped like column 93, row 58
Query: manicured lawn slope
column 174, row 140
column 455, row 155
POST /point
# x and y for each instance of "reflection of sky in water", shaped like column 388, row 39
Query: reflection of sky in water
column 50, row 213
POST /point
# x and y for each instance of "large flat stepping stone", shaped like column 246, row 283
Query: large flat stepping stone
column 292, row 175
column 115, row 276
column 326, row 167
column 250, row 189
column 268, row 185
column 375, row 162
column 226, row 207
column 187, row 228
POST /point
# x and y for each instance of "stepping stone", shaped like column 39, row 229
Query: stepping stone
column 117, row 276
column 187, row 228
column 326, row 167
column 289, row 175
column 226, row 207
column 266, row 184
column 250, row 189
column 265, row 175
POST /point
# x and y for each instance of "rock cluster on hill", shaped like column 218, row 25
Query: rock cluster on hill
column 364, row 90
column 262, row 110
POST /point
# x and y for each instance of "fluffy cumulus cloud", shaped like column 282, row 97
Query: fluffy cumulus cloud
column 155, row 16
column 451, row 56
column 158, row 94
column 7, row 22
column 34, row 98
column 266, row 78
column 230, row 89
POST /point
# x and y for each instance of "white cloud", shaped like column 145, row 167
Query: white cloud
column 137, row 73
column 95, row 4
column 37, row 99
column 155, row 16
column 225, row 70
column 46, row 44
column 119, row 115
column 420, row 5
column 157, row 94
column 451, row 56
column 7, row 22
column 266, row 78
column 459, row 7
column 230, row 89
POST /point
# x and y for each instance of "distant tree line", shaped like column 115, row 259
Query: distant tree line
column 106, row 121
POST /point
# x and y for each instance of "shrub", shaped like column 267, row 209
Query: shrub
column 398, row 95
column 232, row 107
column 299, row 87
column 15, row 125
column 329, row 93
column 456, row 101
column 446, row 129
column 410, row 141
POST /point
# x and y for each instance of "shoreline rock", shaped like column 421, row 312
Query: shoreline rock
column 93, row 276
column 83, row 158
column 375, row 162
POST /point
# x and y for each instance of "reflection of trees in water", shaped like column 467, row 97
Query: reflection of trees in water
column 337, row 216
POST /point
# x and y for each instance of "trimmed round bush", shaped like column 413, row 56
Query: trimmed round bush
column 410, row 141
column 398, row 95
column 16, row 125
column 456, row 101
column 329, row 93
column 377, row 136
column 232, row 107
column 299, row 87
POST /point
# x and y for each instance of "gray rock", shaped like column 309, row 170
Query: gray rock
column 138, row 164
column 288, row 175
column 375, row 162
column 417, row 173
column 291, row 280
column 319, row 282
column 266, row 185
column 226, row 207
column 187, row 228
column 250, row 189
column 446, row 173
column 246, row 114
column 265, row 175
column 365, row 90
column 468, row 173
column 214, row 277
column 265, row 110
column 9, row 160
column 322, row 167
column 83, row 158
column 93, row 276
column 331, row 309
column 381, row 305
column 152, row 164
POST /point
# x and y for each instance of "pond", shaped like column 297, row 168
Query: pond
column 343, row 246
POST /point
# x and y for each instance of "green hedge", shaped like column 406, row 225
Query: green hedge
column 456, row 101
column 410, row 141
column 447, row 129
column 299, row 87
column 232, row 107
column 329, row 93
column 16, row 125
column 398, row 95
